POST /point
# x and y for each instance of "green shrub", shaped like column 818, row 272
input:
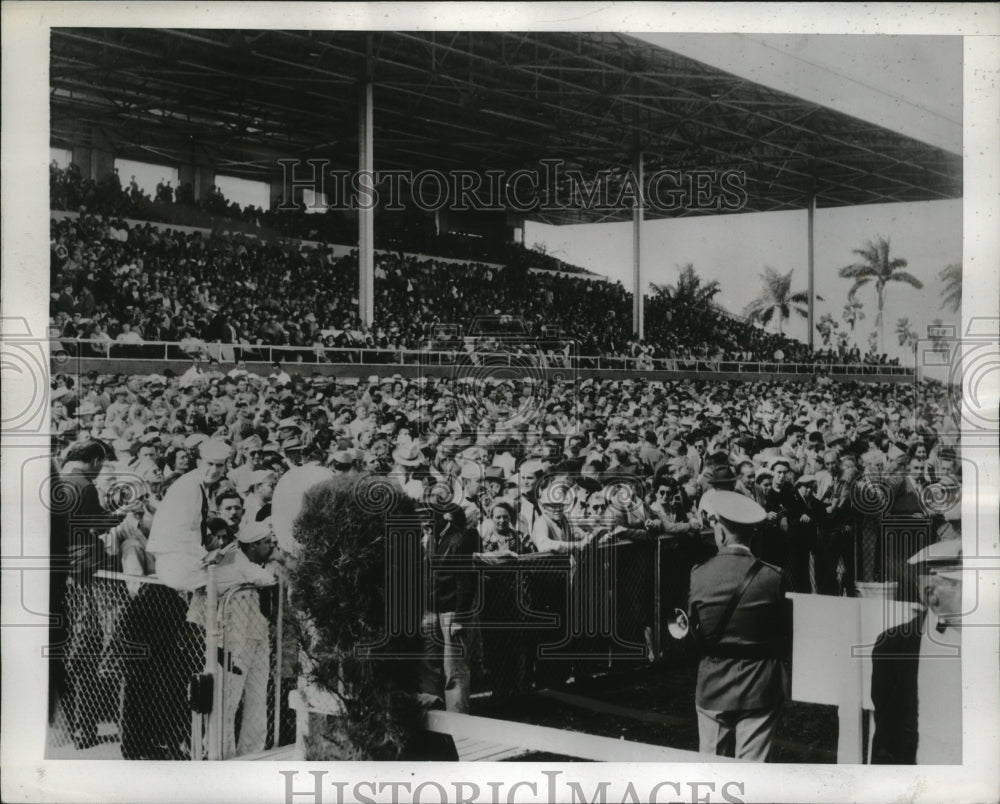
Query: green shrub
column 339, row 587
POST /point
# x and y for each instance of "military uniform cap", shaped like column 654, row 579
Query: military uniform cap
column 737, row 508
column 942, row 558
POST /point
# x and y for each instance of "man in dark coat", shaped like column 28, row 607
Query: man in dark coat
column 782, row 500
column 77, row 519
column 805, row 514
column 449, row 638
column 917, row 671
column 741, row 676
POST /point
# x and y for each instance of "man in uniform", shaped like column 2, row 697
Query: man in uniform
column 743, row 628
column 917, row 671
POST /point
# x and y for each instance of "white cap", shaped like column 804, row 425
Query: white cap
column 255, row 531
column 215, row 448
column 737, row 508
column 943, row 558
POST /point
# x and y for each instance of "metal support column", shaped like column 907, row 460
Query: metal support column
column 214, row 728
column 638, row 324
column 811, row 214
column 366, row 215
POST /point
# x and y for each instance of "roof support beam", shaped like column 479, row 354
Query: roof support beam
column 366, row 212
column 811, row 263
column 638, row 322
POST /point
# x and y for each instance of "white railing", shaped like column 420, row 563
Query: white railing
column 65, row 348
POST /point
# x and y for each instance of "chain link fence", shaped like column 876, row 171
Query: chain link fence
column 131, row 672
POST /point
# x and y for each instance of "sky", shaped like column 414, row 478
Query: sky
column 910, row 84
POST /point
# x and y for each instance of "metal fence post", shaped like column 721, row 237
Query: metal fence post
column 657, row 597
column 278, row 657
column 214, row 736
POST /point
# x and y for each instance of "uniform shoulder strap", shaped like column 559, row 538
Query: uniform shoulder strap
column 713, row 640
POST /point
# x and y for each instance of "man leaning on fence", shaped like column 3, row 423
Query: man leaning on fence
column 743, row 630
column 247, row 648
column 177, row 539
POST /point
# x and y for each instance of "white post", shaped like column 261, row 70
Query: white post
column 811, row 214
column 638, row 324
column 279, row 636
column 214, row 736
column 366, row 215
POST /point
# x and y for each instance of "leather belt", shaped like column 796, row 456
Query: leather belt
column 743, row 652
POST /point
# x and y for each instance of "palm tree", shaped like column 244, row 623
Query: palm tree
column 952, row 278
column 776, row 299
column 853, row 313
column 907, row 335
column 827, row 328
column 689, row 289
column 877, row 267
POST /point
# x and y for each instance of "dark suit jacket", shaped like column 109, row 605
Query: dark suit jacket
column 804, row 535
column 76, row 519
column 454, row 581
column 895, row 661
column 745, row 670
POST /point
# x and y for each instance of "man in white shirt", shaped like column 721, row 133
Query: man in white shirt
column 261, row 491
column 279, row 374
column 247, row 644
column 240, row 370
column 128, row 335
column 527, row 477
column 178, row 534
column 192, row 376
column 176, row 537
column 289, row 495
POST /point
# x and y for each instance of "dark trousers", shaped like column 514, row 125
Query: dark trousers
column 162, row 650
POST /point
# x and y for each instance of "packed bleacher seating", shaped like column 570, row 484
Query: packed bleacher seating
column 166, row 284
column 68, row 190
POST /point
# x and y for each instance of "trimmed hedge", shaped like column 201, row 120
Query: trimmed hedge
column 340, row 583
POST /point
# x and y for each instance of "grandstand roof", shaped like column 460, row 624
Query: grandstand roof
column 240, row 100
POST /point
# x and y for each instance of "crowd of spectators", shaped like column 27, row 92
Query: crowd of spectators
column 529, row 466
column 113, row 282
column 675, row 427
column 69, row 190
column 171, row 472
